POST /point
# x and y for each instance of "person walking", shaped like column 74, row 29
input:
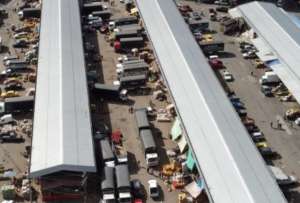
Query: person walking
column 271, row 124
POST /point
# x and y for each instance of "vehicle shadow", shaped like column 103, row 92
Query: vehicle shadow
column 133, row 164
column 159, row 140
column 226, row 55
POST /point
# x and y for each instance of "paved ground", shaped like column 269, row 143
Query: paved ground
column 263, row 110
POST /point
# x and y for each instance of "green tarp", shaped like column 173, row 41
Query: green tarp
column 191, row 164
column 176, row 131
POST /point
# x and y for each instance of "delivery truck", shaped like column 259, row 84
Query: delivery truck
column 136, row 27
column 88, row 8
column 104, row 15
column 108, row 185
column 146, row 137
column 269, row 78
column 126, row 34
column 123, row 183
column 109, row 92
column 133, row 69
column 30, row 13
column 16, row 62
column 107, row 156
column 211, row 47
column 133, row 81
column 17, row 104
column 122, row 21
column 125, row 44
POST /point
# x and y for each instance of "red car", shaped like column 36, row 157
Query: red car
column 138, row 201
column 216, row 63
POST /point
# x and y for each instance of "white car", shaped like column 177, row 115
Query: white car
column 228, row 77
column 153, row 188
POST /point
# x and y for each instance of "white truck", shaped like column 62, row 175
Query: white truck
column 146, row 136
column 269, row 78
column 5, row 119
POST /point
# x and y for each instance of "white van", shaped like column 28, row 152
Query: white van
column 5, row 119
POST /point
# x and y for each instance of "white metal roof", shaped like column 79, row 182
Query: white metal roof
column 233, row 169
column 281, row 35
column 62, row 137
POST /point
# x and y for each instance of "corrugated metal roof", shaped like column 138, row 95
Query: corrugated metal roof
column 62, row 137
column 281, row 35
column 233, row 168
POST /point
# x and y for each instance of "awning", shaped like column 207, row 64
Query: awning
column 191, row 164
column 176, row 131
column 193, row 189
column 264, row 51
column 182, row 144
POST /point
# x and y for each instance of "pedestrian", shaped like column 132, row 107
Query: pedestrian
column 130, row 109
column 279, row 126
column 278, row 123
column 271, row 124
column 252, row 73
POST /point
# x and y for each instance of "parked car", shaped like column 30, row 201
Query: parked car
column 13, row 86
column 20, row 44
column 216, row 63
column 9, row 94
column 266, row 90
column 222, row 9
column 249, row 55
column 258, row 136
column 292, row 114
column 137, row 189
column 228, row 77
column 153, row 189
column 194, row 15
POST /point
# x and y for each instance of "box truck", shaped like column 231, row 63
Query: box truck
column 30, row 13
column 146, row 137
column 17, row 104
column 108, row 185
column 123, row 183
column 269, row 78
column 110, row 91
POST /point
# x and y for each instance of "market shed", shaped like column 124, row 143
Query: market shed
column 278, row 40
column 232, row 167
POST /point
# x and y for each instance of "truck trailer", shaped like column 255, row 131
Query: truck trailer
column 146, row 137
column 17, row 104
column 122, row 21
column 109, row 91
column 123, row 183
column 133, row 81
column 30, row 13
column 211, row 47
column 88, row 8
column 107, row 156
column 105, row 14
column 108, row 185
column 128, row 43
column 126, row 34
